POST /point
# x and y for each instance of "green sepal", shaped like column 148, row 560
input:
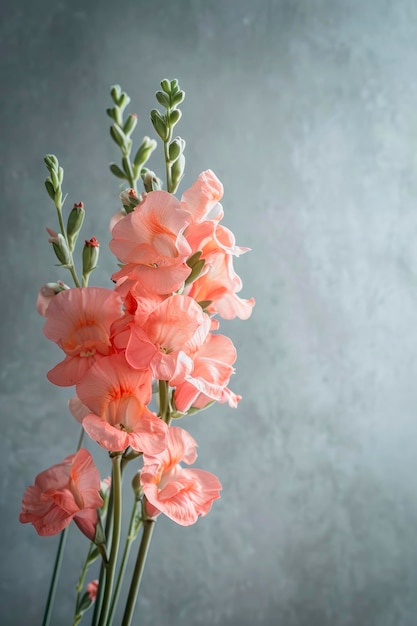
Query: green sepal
column 204, row 303
column 193, row 409
column 192, row 260
column 93, row 556
column 195, row 271
column 115, row 169
column 84, row 604
column 99, row 537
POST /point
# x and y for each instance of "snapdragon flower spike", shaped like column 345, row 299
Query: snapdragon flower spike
column 115, row 414
column 181, row 494
column 150, row 242
column 67, row 491
column 79, row 321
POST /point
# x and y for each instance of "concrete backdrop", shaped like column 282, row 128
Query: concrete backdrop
column 307, row 111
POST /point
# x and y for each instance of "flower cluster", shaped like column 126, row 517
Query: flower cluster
column 143, row 353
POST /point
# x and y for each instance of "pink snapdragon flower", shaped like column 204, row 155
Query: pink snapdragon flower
column 181, row 494
column 114, row 413
column 208, row 380
column 150, row 242
column 79, row 321
column 67, row 491
column 175, row 328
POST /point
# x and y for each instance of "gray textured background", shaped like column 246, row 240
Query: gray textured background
column 306, row 110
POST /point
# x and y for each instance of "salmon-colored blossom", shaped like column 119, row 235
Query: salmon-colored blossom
column 64, row 492
column 176, row 328
column 181, row 494
column 79, row 321
column 92, row 589
column 150, row 242
column 207, row 382
column 115, row 414
column 202, row 198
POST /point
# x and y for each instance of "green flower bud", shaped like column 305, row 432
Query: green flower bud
column 177, row 172
column 136, row 486
column 176, row 148
column 150, row 180
column 166, row 85
column 118, row 135
column 163, row 99
column 174, row 117
column 90, row 255
column 115, row 93
column 74, row 223
column 60, row 247
column 143, row 153
column 130, row 124
column 159, row 124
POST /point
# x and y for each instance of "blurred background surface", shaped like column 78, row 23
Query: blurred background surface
column 306, row 110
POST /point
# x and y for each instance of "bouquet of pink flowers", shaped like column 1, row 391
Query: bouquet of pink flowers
column 140, row 355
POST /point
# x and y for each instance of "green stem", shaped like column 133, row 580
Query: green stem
column 117, row 519
column 55, row 575
column 71, row 266
column 148, row 526
column 80, row 583
column 131, row 536
column 102, row 576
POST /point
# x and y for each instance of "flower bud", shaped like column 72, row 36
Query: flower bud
column 150, row 181
column 177, row 172
column 159, row 124
column 90, row 255
column 136, row 486
column 130, row 124
column 74, row 223
column 46, row 293
column 144, row 152
column 176, row 148
column 60, row 247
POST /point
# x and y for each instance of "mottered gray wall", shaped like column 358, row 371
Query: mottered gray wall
column 306, row 110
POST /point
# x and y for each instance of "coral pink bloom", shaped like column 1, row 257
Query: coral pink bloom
column 79, row 321
column 116, row 396
column 92, row 589
column 209, row 377
column 150, row 242
column 219, row 285
column 66, row 491
column 202, row 198
column 175, row 328
column 182, row 494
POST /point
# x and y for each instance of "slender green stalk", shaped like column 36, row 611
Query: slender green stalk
column 80, row 583
column 131, row 536
column 148, row 526
column 117, row 519
column 55, row 576
column 108, row 531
